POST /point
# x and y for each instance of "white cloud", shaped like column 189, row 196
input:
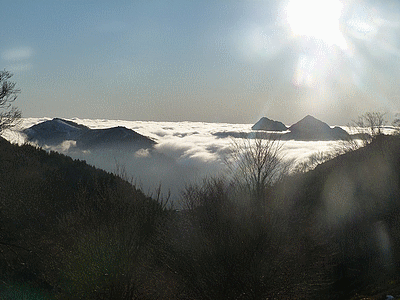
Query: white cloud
column 63, row 147
column 17, row 54
column 193, row 143
column 185, row 151
column 142, row 153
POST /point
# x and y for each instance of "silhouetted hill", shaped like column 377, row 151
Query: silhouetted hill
column 365, row 179
column 310, row 128
column 113, row 137
column 55, row 131
column 350, row 203
column 307, row 129
column 269, row 125
column 52, row 177
column 56, row 213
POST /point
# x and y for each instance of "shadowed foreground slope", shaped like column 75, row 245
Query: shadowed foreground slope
column 331, row 233
column 346, row 212
column 70, row 231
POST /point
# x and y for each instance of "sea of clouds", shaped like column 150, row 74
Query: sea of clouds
column 185, row 152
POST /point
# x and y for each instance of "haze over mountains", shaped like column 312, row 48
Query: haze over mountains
column 170, row 153
column 307, row 129
column 56, row 131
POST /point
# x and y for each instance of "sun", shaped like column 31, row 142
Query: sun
column 316, row 19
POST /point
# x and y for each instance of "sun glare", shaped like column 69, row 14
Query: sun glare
column 316, row 19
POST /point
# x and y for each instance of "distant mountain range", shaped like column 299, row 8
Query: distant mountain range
column 308, row 128
column 56, row 131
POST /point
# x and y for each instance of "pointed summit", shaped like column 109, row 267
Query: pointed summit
column 269, row 125
column 310, row 125
column 310, row 128
column 55, row 131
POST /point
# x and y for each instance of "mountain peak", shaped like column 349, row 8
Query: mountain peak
column 310, row 128
column 57, row 130
column 309, row 123
column 269, row 125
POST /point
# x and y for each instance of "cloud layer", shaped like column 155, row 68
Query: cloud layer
column 185, row 151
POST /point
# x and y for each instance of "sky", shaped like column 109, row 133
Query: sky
column 207, row 61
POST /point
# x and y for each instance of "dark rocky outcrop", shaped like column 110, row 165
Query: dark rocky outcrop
column 269, row 125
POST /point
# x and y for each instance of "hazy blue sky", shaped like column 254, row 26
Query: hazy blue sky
column 214, row 61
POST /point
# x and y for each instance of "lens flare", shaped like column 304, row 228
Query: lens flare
column 316, row 19
column 345, row 50
column 384, row 244
column 327, row 57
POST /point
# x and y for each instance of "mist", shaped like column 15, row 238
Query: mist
column 184, row 153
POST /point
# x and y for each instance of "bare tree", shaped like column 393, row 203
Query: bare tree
column 9, row 114
column 313, row 161
column 396, row 122
column 256, row 163
column 373, row 121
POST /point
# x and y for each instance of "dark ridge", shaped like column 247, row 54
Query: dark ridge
column 269, row 125
column 312, row 129
column 307, row 129
column 55, row 131
column 113, row 137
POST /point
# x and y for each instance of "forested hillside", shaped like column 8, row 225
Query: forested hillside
column 65, row 223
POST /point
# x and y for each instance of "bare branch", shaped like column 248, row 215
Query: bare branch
column 372, row 122
column 256, row 163
column 9, row 115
